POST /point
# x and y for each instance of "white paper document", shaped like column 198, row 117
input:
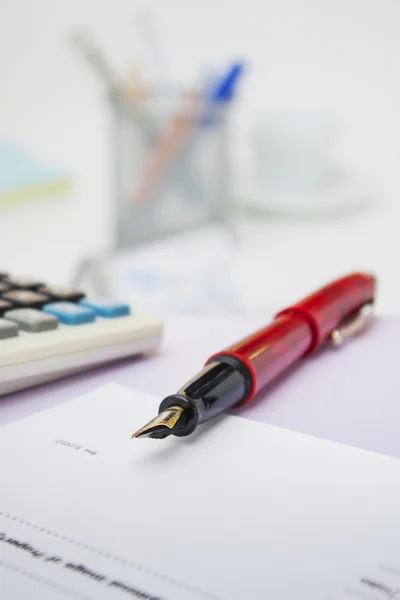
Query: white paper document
column 238, row 511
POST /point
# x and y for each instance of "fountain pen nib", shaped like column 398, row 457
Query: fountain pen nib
column 163, row 424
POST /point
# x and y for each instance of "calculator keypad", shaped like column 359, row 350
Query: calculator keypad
column 22, row 302
column 29, row 305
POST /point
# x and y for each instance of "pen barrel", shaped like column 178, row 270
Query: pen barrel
column 271, row 350
column 332, row 305
column 299, row 330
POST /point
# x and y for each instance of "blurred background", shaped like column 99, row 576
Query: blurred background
column 214, row 156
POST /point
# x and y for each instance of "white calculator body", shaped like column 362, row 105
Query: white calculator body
column 48, row 332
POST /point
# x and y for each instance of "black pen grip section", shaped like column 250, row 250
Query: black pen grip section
column 217, row 388
column 222, row 384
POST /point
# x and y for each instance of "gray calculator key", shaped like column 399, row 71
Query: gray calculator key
column 30, row 319
column 8, row 329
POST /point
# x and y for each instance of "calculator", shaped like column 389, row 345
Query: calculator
column 48, row 332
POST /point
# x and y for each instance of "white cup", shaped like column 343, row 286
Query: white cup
column 292, row 155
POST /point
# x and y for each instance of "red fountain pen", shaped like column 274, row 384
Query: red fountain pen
column 233, row 376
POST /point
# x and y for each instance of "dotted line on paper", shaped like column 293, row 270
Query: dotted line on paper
column 49, row 584
column 123, row 561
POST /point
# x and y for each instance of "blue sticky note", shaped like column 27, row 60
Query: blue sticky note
column 24, row 176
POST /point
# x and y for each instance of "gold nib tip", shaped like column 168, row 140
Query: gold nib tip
column 143, row 432
column 162, row 425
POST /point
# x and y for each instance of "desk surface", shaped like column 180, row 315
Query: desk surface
column 350, row 395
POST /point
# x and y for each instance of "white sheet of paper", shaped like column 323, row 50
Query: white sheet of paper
column 239, row 511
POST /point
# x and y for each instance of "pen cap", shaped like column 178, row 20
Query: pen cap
column 328, row 308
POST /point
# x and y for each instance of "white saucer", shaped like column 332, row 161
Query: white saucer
column 343, row 192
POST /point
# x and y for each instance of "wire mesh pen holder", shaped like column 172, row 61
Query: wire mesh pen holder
column 170, row 156
column 169, row 152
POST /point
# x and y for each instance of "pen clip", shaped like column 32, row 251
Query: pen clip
column 353, row 327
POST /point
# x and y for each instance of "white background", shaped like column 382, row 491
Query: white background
column 338, row 56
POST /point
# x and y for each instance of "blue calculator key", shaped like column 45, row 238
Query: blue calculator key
column 106, row 307
column 69, row 313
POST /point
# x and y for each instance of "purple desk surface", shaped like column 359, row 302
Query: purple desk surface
column 349, row 395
